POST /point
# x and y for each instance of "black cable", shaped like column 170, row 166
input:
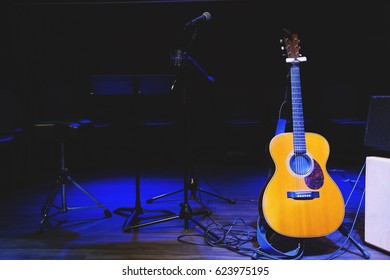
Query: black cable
column 228, row 236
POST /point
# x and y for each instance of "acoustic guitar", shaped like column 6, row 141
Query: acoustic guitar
column 300, row 198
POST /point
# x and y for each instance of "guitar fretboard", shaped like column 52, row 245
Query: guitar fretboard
column 297, row 110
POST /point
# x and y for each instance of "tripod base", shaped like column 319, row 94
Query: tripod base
column 134, row 220
column 193, row 187
column 63, row 181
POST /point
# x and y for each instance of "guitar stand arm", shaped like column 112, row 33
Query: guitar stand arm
column 344, row 232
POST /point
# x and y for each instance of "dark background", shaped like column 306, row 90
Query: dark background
column 52, row 46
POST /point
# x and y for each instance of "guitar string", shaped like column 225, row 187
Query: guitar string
column 297, row 121
column 299, row 135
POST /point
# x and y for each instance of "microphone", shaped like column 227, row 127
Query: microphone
column 200, row 19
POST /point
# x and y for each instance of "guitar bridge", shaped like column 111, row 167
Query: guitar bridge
column 303, row 195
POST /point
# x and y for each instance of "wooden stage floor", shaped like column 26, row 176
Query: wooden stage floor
column 86, row 234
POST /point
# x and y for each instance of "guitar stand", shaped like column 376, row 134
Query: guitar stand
column 64, row 179
column 344, row 232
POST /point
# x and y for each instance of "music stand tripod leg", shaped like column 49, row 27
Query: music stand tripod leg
column 133, row 219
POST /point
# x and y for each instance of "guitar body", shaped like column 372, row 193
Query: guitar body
column 301, row 199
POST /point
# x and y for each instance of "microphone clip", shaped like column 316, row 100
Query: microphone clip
column 178, row 58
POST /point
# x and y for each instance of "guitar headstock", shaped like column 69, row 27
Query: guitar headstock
column 292, row 48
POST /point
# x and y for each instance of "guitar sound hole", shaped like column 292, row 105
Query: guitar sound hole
column 300, row 164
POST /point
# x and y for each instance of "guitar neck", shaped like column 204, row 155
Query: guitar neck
column 297, row 110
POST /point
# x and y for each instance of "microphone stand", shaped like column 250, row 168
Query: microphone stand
column 182, row 61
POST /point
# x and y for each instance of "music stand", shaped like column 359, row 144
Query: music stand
column 145, row 84
column 133, row 86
